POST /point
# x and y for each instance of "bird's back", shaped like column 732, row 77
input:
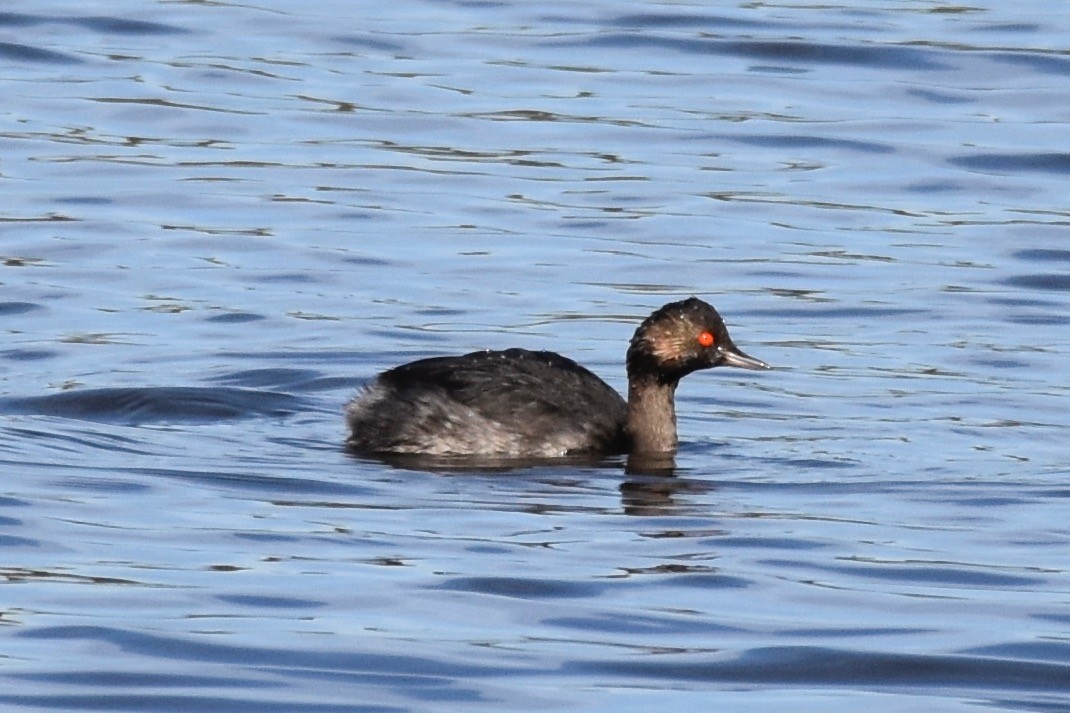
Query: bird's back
column 505, row 403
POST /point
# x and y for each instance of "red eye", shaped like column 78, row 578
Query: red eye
column 706, row 339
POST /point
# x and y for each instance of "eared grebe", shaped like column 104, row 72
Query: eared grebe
column 519, row 403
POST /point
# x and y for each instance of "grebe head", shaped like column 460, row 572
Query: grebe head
column 680, row 338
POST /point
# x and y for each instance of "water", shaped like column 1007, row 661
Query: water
column 220, row 219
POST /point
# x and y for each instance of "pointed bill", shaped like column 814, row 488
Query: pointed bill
column 734, row 357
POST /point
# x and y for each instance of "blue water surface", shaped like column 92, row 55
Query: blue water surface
column 220, row 219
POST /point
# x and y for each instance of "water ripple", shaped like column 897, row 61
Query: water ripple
column 522, row 588
column 161, row 404
column 788, row 51
column 99, row 23
column 403, row 673
column 1002, row 163
column 822, row 666
column 26, row 53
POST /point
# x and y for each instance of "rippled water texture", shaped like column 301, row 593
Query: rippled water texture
column 219, row 220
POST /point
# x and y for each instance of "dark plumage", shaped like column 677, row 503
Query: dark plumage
column 520, row 403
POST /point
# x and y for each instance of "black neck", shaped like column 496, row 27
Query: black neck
column 651, row 415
